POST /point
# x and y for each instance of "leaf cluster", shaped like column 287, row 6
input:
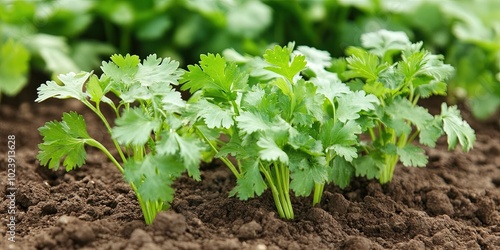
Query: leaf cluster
column 151, row 138
column 282, row 121
column 398, row 86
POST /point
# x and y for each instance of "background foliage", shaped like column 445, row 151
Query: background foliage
column 59, row 36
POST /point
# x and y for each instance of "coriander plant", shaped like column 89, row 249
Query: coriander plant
column 287, row 121
column 398, row 120
column 282, row 121
column 152, row 143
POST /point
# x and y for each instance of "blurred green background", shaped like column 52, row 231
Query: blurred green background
column 40, row 39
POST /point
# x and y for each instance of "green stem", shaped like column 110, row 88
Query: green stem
column 318, row 193
column 391, row 160
column 98, row 112
column 224, row 159
column 282, row 178
column 96, row 144
column 149, row 208
column 388, row 170
column 274, row 190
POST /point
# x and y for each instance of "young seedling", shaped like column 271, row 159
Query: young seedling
column 398, row 121
column 153, row 146
column 287, row 121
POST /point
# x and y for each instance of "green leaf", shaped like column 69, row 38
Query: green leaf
column 213, row 115
column 412, row 156
column 317, row 60
column 64, row 140
column 121, row 70
column 417, row 62
column 431, row 133
column 134, row 127
column 215, row 76
column 283, row 63
column 457, row 129
column 96, row 90
column 402, row 108
column 369, row 165
column 270, row 151
column 14, row 65
column 250, row 122
column 154, row 176
column 363, row 64
column 349, row 105
column 306, row 143
column 190, row 150
column 172, row 100
column 348, row 153
column 308, row 105
column 341, row 172
column 431, row 88
column 72, row 87
column 330, row 87
column 155, row 70
column 234, row 148
column 127, row 63
column 382, row 41
column 188, row 147
column 305, row 171
column 251, row 182
column 339, row 133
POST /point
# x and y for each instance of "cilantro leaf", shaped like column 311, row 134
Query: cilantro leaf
column 269, row 150
column 282, row 62
column 369, row 165
column 308, row 107
column 153, row 176
column 251, row 183
column 339, row 133
column 341, row 172
column 331, row 87
column 213, row 115
column 457, row 129
column 250, row 122
column 155, row 70
column 216, row 77
column 363, row 64
column 305, row 172
column 431, row 133
column 172, row 100
column 72, row 87
column 417, row 61
column 348, row 153
column 121, row 70
column 412, row 156
column 64, row 141
column 350, row 104
column 382, row 41
column 134, row 127
column 433, row 87
column 317, row 60
column 402, row 108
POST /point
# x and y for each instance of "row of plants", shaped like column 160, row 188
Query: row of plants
column 61, row 36
column 284, row 121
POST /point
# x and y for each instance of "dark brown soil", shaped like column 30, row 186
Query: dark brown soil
column 454, row 203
